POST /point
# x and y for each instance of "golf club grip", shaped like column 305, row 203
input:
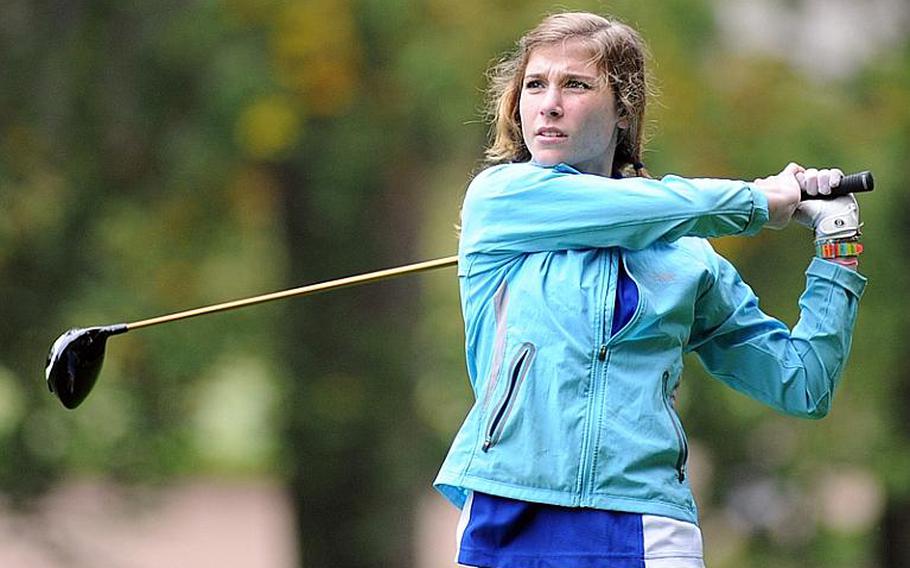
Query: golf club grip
column 854, row 183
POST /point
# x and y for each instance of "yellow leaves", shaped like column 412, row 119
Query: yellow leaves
column 268, row 127
column 316, row 52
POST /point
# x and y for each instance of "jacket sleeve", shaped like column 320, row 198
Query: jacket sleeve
column 520, row 208
column 796, row 371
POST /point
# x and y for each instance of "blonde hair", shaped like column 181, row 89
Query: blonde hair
column 619, row 53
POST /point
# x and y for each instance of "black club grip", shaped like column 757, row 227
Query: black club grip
column 854, row 183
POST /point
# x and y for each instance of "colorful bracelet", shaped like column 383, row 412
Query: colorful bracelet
column 835, row 249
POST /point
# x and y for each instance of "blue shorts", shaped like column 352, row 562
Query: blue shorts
column 496, row 532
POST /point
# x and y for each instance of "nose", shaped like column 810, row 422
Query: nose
column 552, row 103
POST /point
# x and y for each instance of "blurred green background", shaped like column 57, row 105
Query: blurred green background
column 156, row 156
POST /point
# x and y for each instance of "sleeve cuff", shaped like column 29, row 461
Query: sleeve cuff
column 843, row 276
column 760, row 213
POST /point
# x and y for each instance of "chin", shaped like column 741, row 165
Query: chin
column 548, row 159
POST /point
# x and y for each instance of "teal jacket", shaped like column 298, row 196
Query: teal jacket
column 567, row 412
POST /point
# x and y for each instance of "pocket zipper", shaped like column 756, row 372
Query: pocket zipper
column 518, row 372
column 677, row 426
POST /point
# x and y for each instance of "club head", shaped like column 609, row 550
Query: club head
column 74, row 362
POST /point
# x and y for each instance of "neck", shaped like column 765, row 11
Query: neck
column 601, row 167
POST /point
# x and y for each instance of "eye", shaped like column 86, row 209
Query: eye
column 577, row 84
column 533, row 84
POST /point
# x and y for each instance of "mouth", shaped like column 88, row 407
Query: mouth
column 551, row 133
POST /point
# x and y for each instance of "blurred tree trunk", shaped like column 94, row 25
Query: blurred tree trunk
column 349, row 410
column 895, row 537
column 895, row 534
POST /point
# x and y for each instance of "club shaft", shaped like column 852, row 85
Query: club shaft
column 358, row 279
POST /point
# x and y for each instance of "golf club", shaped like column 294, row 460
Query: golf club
column 75, row 359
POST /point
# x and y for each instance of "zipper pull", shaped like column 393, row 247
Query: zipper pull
column 486, row 445
column 602, row 354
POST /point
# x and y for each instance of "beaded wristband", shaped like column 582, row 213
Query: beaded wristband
column 835, row 249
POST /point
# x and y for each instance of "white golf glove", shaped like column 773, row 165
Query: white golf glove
column 833, row 219
column 819, row 182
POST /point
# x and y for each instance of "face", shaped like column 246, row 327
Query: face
column 568, row 112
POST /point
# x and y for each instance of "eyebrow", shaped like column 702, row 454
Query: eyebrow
column 580, row 76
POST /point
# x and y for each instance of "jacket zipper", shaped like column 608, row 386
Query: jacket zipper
column 519, row 369
column 605, row 331
column 593, row 392
column 677, row 426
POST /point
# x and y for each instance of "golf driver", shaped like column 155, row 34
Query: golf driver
column 75, row 358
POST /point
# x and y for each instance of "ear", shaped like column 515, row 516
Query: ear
column 623, row 124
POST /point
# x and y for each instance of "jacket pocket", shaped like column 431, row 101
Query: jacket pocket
column 683, row 455
column 518, row 370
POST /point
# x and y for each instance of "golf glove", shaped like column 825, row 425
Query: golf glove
column 819, row 182
column 833, row 219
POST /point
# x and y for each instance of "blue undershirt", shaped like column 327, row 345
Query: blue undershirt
column 507, row 533
column 626, row 299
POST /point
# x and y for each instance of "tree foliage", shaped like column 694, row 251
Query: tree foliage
column 157, row 156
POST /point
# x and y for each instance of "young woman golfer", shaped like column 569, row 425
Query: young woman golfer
column 583, row 283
